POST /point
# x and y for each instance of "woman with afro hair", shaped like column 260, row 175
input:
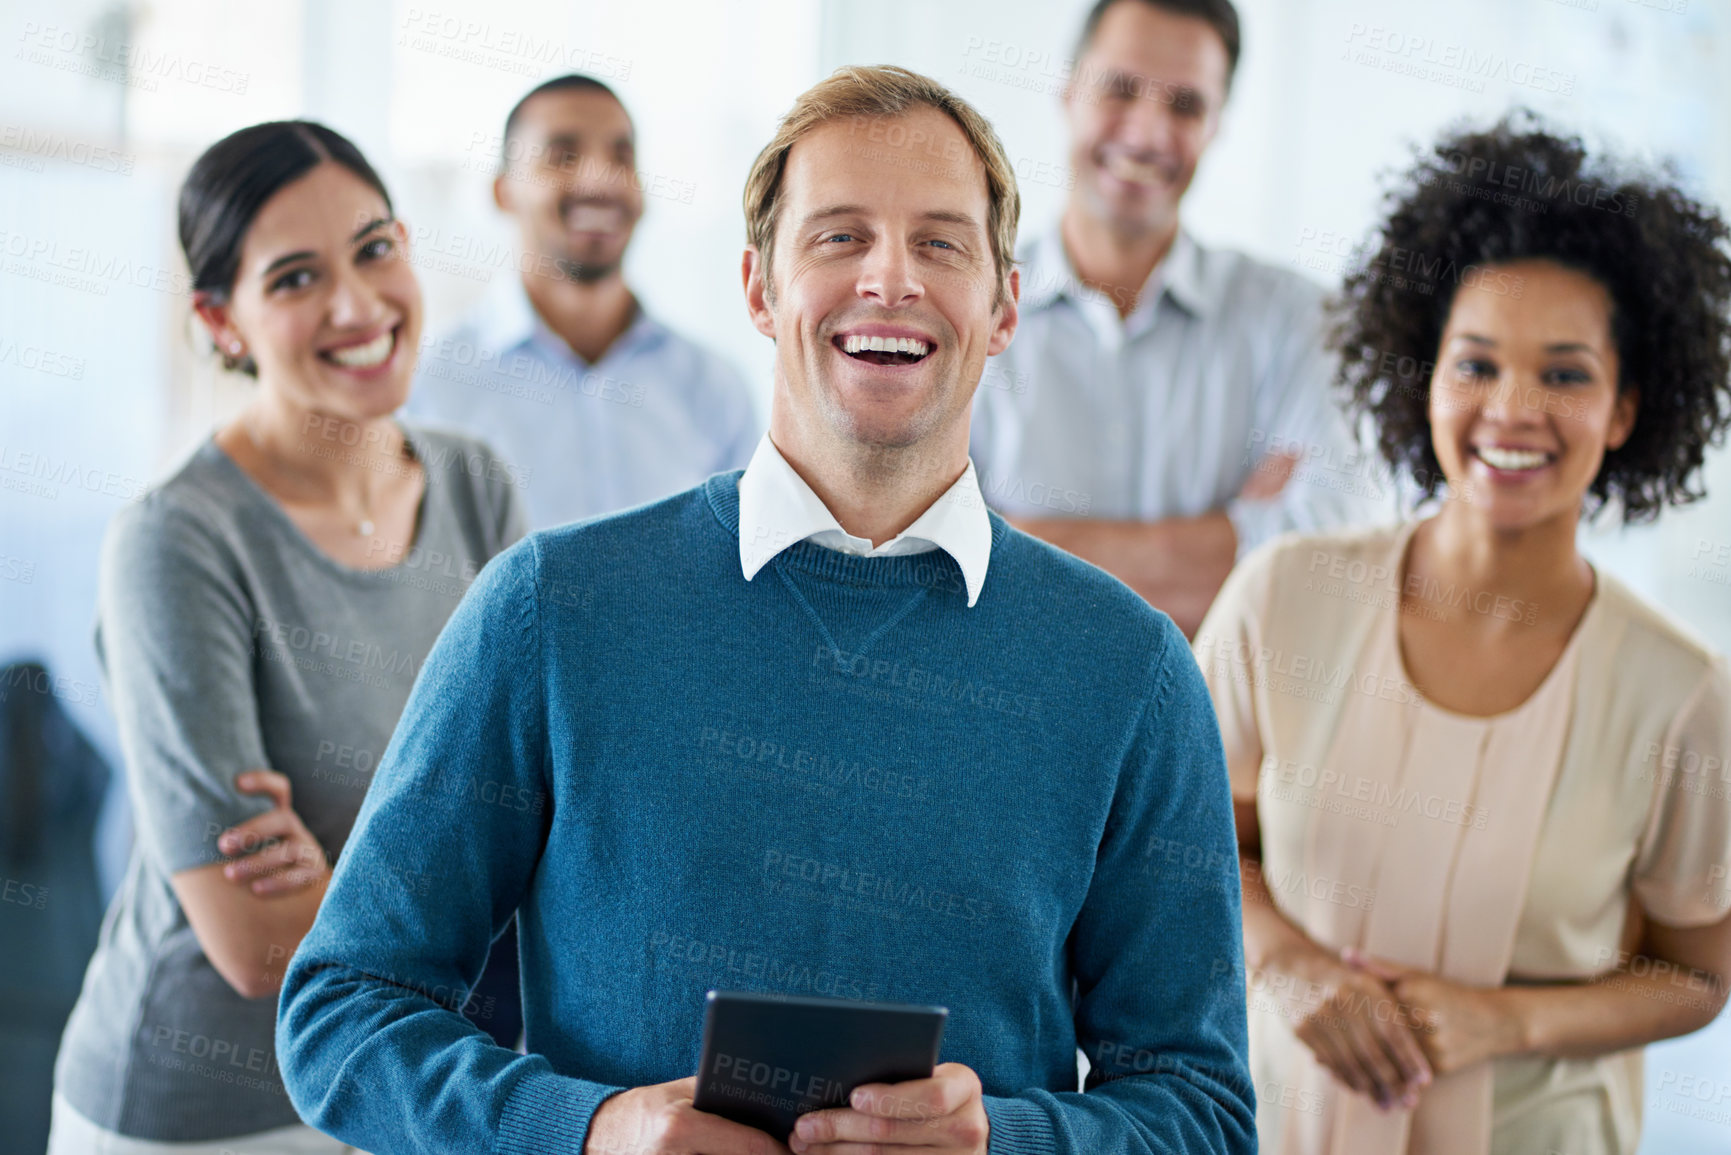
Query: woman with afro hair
column 1482, row 788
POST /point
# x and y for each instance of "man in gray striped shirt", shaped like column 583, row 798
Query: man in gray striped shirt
column 1164, row 407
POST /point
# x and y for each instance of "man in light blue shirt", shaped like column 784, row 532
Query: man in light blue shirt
column 1164, row 407
column 596, row 404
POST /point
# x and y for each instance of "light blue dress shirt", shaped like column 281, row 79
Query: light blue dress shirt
column 654, row 416
column 1169, row 411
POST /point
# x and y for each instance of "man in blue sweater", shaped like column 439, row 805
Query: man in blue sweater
column 826, row 727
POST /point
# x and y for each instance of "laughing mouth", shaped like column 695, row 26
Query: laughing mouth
column 1134, row 171
column 885, row 350
column 370, row 355
column 1512, row 460
column 593, row 216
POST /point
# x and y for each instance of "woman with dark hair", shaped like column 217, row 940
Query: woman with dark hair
column 1480, row 785
column 262, row 615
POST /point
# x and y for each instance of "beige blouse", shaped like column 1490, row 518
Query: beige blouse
column 1487, row 850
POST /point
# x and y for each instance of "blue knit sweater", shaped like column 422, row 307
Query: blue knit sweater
column 836, row 779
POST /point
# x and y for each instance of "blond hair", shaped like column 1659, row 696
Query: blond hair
column 878, row 92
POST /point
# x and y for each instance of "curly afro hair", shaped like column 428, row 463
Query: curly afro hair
column 1516, row 192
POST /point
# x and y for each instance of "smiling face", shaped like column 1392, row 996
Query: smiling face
column 1524, row 402
column 881, row 302
column 571, row 182
column 1144, row 104
column 324, row 299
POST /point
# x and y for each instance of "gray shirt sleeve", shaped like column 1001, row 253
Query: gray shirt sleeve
column 174, row 639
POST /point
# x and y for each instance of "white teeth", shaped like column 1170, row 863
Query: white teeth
column 592, row 219
column 912, row 346
column 1511, row 459
column 1125, row 168
column 374, row 352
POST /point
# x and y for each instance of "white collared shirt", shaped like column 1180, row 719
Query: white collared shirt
column 1170, row 411
column 777, row 508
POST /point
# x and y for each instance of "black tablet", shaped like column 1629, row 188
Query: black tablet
column 768, row 1059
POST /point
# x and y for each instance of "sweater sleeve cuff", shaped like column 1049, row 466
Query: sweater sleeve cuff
column 1018, row 1127
column 547, row 1112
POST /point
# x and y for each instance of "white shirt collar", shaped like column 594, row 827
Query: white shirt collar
column 777, row 508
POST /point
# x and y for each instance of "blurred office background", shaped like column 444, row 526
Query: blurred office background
column 104, row 384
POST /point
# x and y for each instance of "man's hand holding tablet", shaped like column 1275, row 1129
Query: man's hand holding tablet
column 831, row 1076
column 942, row 1113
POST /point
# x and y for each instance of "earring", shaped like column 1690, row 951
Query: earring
column 234, row 347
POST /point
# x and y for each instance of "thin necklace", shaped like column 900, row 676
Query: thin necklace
column 363, row 528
